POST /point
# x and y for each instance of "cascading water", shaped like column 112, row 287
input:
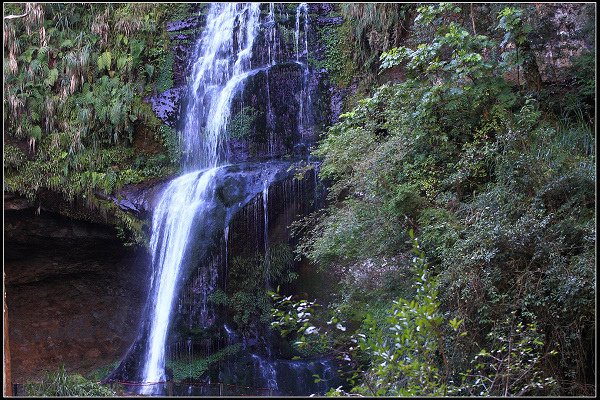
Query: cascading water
column 192, row 202
column 265, row 197
column 218, row 75
column 267, row 371
column 226, row 240
column 272, row 53
column 183, row 199
column 305, row 101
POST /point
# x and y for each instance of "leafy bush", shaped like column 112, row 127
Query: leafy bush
column 61, row 384
column 248, row 276
column 515, row 365
column 194, row 369
column 240, row 126
column 73, row 93
column 501, row 192
column 404, row 353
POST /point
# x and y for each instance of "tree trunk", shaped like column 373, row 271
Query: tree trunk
column 7, row 382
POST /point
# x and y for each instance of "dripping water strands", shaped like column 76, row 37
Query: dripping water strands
column 265, row 198
column 304, row 101
column 272, row 60
column 226, row 239
column 270, row 119
column 267, row 371
column 232, row 337
column 189, row 355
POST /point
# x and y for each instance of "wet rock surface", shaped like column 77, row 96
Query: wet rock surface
column 74, row 293
column 166, row 105
column 563, row 33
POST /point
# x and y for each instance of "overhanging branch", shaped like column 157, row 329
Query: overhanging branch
column 15, row 16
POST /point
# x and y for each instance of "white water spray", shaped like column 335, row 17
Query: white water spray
column 181, row 201
column 304, row 95
column 218, row 74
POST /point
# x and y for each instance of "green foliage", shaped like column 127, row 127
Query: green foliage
column 501, row 193
column 338, row 55
column 295, row 320
column 513, row 367
column 583, row 68
column 510, row 19
column 13, row 157
column 73, row 95
column 242, row 124
column 246, row 296
column 372, row 29
column 52, row 77
column 61, row 384
column 131, row 230
column 102, row 372
column 104, row 61
column 170, row 140
column 404, row 353
column 186, row 369
column 164, row 79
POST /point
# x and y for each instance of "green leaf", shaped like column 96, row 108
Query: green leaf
column 36, row 132
column 104, row 61
column 121, row 62
column 27, row 54
column 66, row 44
column 136, row 47
column 149, row 70
column 52, row 77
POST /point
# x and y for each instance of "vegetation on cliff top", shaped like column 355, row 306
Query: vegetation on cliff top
column 75, row 76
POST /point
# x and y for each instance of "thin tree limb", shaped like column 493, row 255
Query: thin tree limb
column 473, row 20
column 15, row 16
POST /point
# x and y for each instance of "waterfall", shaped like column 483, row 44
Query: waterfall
column 272, row 53
column 305, row 100
column 265, row 198
column 217, row 75
column 226, row 236
column 182, row 200
column 194, row 205
column 267, row 371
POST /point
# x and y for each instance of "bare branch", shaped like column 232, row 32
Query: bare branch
column 473, row 20
column 15, row 16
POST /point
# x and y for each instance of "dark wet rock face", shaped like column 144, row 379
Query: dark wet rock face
column 236, row 186
column 188, row 23
column 246, row 197
column 74, row 293
column 563, row 32
column 166, row 105
column 277, row 91
column 261, row 139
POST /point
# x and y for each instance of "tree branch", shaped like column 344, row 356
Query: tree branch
column 15, row 16
column 473, row 20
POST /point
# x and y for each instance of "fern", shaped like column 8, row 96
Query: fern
column 52, row 77
column 104, row 61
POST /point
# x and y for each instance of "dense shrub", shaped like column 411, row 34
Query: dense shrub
column 500, row 190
